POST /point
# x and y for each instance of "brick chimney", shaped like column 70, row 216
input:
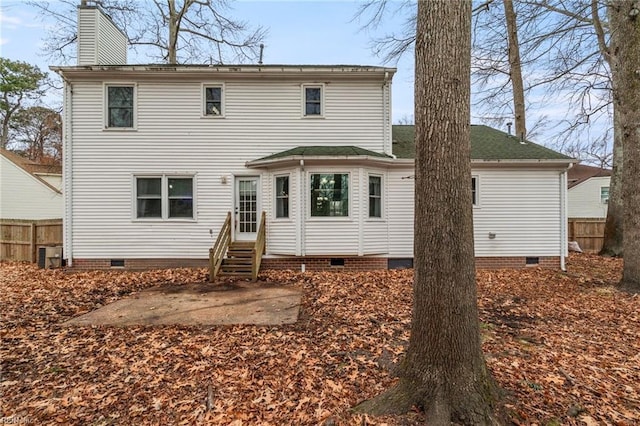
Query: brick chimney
column 100, row 41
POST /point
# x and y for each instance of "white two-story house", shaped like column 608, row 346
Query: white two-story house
column 157, row 157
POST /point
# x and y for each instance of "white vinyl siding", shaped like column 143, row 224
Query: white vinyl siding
column 333, row 235
column 375, row 230
column 22, row 196
column 282, row 233
column 99, row 41
column 520, row 206
column 400, row 212
column 262, row 118
column 584, row 199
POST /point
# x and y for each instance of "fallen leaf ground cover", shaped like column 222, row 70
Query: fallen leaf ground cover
column 565, row 347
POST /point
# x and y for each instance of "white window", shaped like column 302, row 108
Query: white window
column 164, row 197
column 475, row 190
column 213, row 100
column 120, row 106
column 282, row 196
column 375, row 196
column 329, row 194
column 313, row 100
column 604, row 194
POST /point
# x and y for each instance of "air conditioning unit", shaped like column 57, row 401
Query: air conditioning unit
column 53, row 257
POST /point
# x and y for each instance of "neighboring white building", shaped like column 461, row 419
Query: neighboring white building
column 156, row 155
column 28, row 190
column 588, row 193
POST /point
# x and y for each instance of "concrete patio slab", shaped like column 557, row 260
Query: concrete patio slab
column 239, row 302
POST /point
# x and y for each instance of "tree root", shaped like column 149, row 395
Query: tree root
column 397, row 400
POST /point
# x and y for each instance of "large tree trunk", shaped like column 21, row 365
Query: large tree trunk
column 624, row 24
column 515, row 69
column 444, row 371
column 612, row 245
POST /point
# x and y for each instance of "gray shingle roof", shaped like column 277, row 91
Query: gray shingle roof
column 324, row 151
column 486, row 144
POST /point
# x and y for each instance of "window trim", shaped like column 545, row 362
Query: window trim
column 203, row 100
column 606, row 203
column 303, row 96
column 105, row 106
column 164, row 197
column 476, row 202
column 275, row 197
column 368, row 197
column 308, row 197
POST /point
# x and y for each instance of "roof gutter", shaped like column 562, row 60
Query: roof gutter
column 526, row 162
column 230, row 70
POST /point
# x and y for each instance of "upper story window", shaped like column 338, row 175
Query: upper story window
column 120, row 106
column 375, row 196
column 329, row 194
column 313, row 100
column 282, row 196
column 604, row 194
column 164, row 197
column 213, row 100
column 475, row 188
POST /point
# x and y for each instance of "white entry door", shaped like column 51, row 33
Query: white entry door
column 247, row 208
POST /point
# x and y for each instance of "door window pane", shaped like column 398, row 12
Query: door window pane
column 248, row 205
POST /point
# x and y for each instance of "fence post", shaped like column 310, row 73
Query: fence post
column 34, row 240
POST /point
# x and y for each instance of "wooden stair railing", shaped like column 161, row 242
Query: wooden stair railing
column 219, row 249
column 259, row 248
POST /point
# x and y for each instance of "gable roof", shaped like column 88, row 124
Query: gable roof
column 486, row 144
column 32, row 168
column 580, row 173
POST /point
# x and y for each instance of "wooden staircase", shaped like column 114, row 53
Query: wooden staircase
column 239, row 260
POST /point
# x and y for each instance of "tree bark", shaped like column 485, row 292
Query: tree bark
column 625, row 57
column 172, row 47
column 612, row 244
column 444, row 371
column 515, row 70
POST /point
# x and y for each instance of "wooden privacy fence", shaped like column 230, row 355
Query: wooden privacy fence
column 588, row 232
column 21, row 238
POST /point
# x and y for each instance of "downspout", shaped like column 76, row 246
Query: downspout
column 386, row 112
column 564, row 239
column 302, row 214
column 67, row 172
